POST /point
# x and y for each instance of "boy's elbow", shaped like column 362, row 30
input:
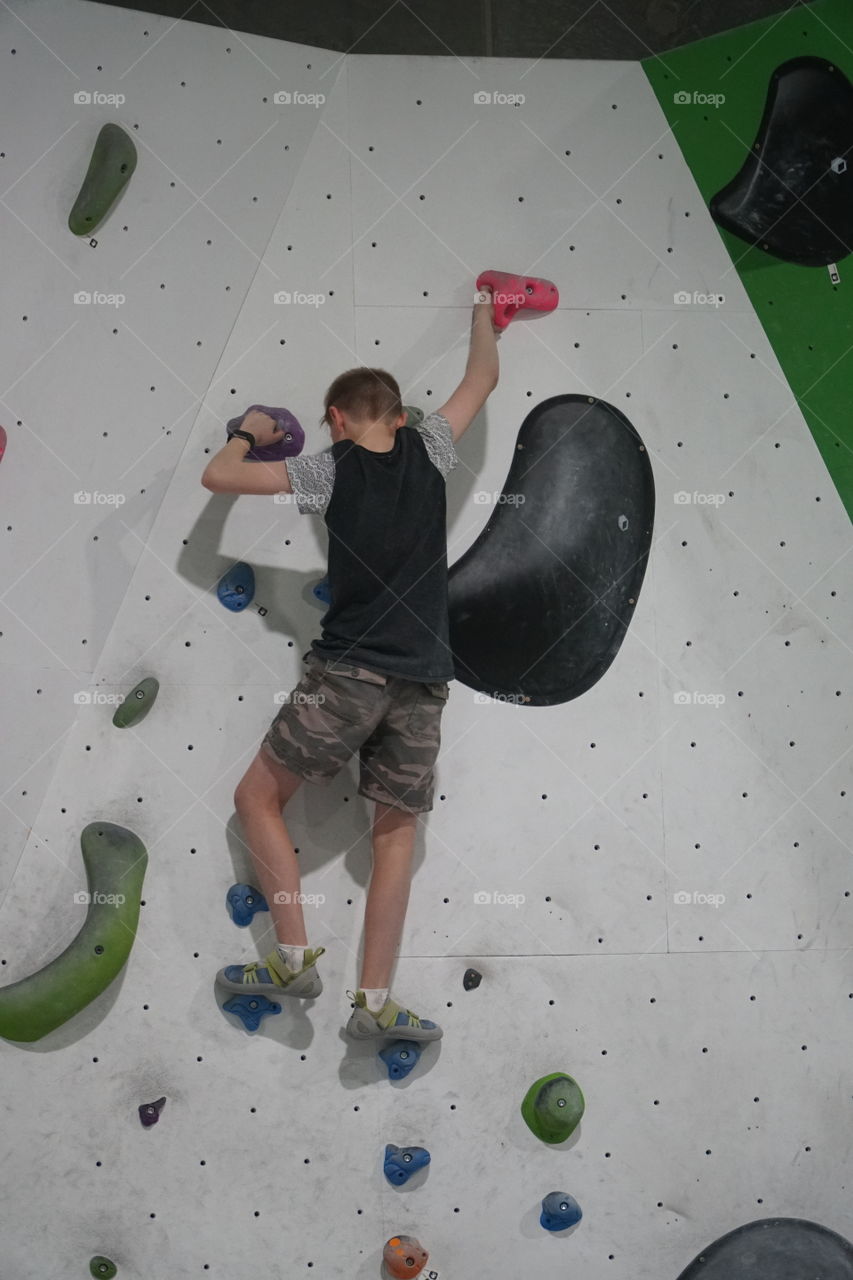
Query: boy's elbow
column 208, row 482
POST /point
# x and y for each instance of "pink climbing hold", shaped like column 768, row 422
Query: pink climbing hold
column 513, row 293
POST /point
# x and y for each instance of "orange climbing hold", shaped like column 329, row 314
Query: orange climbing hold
column 404, row 1257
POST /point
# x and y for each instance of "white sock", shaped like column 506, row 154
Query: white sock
column 376, row 997
column 293, row 957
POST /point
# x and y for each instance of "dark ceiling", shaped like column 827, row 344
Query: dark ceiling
column 618, row 29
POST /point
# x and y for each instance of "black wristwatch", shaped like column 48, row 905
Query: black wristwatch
column 244, row 435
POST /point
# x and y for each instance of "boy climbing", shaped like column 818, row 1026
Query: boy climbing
column 377, row 679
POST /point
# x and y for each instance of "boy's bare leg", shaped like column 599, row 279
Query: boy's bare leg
column 388, row 895
column 261, row 794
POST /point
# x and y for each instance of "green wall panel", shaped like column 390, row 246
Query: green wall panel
column 808, row 320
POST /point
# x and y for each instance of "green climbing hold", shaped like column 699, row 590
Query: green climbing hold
column 137, row 704
column 553, row 1106
column 113, row 161
column 115, row 860
column 102, row 1267
column 413, row 415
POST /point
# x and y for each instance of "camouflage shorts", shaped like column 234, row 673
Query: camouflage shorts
column 338, row 708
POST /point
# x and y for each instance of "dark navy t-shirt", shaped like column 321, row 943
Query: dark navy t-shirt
column 386, row 516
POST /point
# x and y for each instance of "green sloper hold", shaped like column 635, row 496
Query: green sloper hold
column 413, row 415
column 137, row 704
column 113, row 161
column 553, row 1106
column 115, row 860
column 100, row 1266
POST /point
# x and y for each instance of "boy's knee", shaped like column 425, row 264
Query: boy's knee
column 241, row 798
column 261, row 790
column 248, row 795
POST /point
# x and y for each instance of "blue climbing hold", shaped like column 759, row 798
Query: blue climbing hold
column 559, row 1211
column 251, row 1010
column 243, row 901
column 399, row 1057
column 236, row 588
column 322, row 591
column 402, row 1162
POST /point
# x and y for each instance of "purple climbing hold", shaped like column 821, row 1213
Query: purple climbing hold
column 289, row 444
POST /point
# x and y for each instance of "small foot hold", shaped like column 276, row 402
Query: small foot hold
column 149, row 1112
column 400, row 1057
column 236, row 587
column 553, row 1106
column 471, row 979
column 251, row 1010
column 102, row 1268
column 401, row 1162
column 559, row 1211
column 404, row 1256
column 137, row 704
column 243, row 902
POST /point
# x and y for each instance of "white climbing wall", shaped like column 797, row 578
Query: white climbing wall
column 666, row 858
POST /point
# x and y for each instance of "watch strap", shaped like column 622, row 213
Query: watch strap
column 244, row 435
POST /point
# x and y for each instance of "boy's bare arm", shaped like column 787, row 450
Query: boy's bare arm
column 481, row 372
column 228, row 472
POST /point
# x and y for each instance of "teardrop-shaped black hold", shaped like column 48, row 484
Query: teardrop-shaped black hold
column 793, row 197
column 540, row 603
column 471, row 979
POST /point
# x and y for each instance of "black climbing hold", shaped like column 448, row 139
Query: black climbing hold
column 541, row 602
column 149, row 1112
column 471, row 979
column 774, row 1249
column 793, row 197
